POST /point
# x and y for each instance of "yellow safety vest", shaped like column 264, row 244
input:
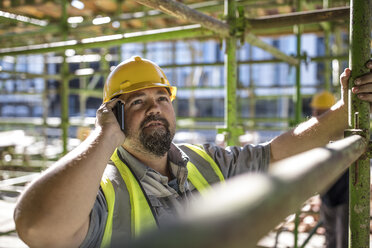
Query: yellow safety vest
column 142, row 217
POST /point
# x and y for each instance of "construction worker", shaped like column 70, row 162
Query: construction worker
column 322, row 102
column 118, row 185
column 335, row 201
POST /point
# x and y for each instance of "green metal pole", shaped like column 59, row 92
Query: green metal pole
column 174, row 73
column 194, row 81
column 327, row 64
column 263, row 201
column 83, row 82
column 327, row 34
column 251, row 95
column 295, row 231
column 230, row 77
column 338, row 48
column 45, row 105
column 298, row 97
column 282, row 20
column 298, row 106
column 176, row 33
column 64, row 87
column 359, row 201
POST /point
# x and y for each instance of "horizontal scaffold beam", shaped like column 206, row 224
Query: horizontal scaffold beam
column 184, row 12
column 245, row 208
column 200, row 6
column 161, row 34
column 176, row 33
column 27, row 75
column 304, row 17
column 255, row 24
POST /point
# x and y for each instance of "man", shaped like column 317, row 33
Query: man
column 335, row 202
column 117, row 185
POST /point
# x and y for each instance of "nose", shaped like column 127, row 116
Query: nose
column 153, row 107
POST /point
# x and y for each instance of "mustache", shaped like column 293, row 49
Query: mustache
column 154, row 118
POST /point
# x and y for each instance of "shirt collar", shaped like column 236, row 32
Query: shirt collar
column 138, row 168
column 177, row 156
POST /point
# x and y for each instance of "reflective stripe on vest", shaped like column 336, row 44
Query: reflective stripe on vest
column 142, row 218
column 109, row 192
column 194, row 175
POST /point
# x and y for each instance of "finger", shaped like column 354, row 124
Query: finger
column 365, row 97
column 110, row 104
column 369, row 64
column 365, row 79
column 107, row 106
column 345, row 76
column 366, row 88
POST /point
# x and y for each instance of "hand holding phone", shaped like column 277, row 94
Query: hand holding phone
column 119, row 114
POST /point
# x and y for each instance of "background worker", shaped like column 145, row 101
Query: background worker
column 335, row 201
column 117, row 185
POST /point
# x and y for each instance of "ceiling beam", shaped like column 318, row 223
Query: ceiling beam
column 184, row 12
column 176, row 33
column 24, row 19
column 304, row 17
column 255, row 24
column 223, row 29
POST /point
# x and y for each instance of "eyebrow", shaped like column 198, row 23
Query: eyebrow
column 134, row 95
column 162, row 92
column 140, row 94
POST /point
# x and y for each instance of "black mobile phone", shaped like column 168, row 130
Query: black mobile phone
column 119, row 114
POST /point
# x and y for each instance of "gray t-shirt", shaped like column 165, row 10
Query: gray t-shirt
column 169, row 198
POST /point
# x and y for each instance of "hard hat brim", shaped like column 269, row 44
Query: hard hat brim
column 144, row 85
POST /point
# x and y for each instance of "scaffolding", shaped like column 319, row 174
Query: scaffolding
column 235, row 28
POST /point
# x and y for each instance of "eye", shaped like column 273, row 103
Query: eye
column 136, row 102
column 163, row 98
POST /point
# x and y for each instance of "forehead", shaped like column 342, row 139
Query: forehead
column 145, row 92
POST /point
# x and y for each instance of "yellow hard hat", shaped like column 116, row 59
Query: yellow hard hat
column 323, row 100
column 135, row 74
column 82, row 133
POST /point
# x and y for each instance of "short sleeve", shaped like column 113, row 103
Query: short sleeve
column 235, row 160
column 97, row 223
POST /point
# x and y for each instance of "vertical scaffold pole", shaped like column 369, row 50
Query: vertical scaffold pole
column 359, row 52
column 327, row 45
column 298, row 106
column 230, row 76
column 64, row 87
column 45, row 105
column 298, row 97
column 251, row 95
column 327, row 64
column 83, row 82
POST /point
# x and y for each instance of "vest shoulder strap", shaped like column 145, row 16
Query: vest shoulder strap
column 109, row 192
column 202, row 169
column 142, row 217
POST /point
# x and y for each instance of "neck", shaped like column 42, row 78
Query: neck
column 158, row 163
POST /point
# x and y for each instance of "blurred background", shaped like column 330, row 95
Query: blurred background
column 55, row 56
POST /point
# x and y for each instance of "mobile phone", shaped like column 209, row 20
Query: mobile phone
column 119, row 114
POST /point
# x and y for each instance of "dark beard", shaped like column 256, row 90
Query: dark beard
column 159, row 141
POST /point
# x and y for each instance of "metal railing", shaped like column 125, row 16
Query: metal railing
column 241, row 211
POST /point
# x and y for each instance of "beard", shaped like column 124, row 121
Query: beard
column 157, row 141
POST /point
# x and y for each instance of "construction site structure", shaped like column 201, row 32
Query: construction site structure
column 55, row 55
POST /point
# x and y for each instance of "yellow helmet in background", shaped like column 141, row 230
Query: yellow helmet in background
column 323, row 100
column 135, row 74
